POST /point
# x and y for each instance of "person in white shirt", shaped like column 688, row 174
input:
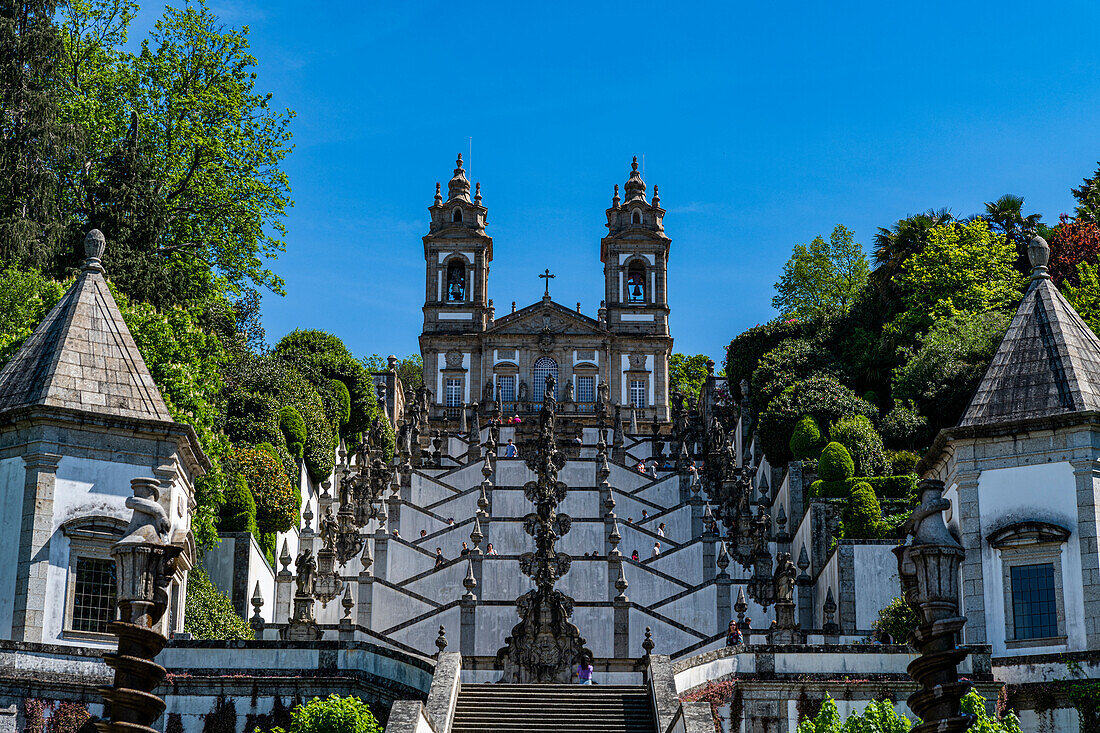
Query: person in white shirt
column 661, row 529
column 656, row 549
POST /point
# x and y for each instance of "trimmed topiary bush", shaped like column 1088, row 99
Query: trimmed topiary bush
column 857, row 433
column 863, row 515
column 343, row 399
column 822, row 397
column 886, row 487
column 835, row 464
column 277, row 501
column 902, row 462
column 208, row 613
column 294, row 430
column 239, row 510
column 806, row 440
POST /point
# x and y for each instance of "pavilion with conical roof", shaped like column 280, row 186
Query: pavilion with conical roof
column 80, row 416
column 1022, row 472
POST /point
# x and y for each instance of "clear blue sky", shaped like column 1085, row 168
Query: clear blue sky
column 764, row 124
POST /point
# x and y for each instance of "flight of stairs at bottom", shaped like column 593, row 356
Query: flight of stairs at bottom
column 500, row 708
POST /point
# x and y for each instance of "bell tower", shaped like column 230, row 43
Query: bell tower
column 635, row 261
column 457, row 253
column 635, row 308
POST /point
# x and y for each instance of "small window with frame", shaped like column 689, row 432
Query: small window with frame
column 91, row 598
column 1030, row 555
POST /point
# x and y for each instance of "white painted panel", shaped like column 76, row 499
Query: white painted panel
column 440, row 364
column 624, row 256
column 466, row 366
column 652, row 377
column 636, row 317
column 456, row 316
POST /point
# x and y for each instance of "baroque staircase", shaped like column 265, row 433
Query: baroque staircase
column 500, row 708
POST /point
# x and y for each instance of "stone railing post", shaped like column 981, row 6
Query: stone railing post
column 284, row 587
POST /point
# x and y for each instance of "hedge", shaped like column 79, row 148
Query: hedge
column 745, row 351
column 835, row 463
column 208, row 613
column 885, row 487
column 238, row 513
column 822, row 397
column 858, row 435
column 293, row 428
column 806, row 441
column 277, row 499
column 862, row 516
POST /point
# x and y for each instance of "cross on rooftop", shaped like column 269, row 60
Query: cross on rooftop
column 547, row 277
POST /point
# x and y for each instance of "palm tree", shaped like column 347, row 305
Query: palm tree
column 908, row 236
column 1005, row 215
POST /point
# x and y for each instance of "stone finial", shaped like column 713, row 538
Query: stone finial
column 366, row 560
column 621, row 585
column 441, row 640
column 257, row 621
column 803, row 562
column 656, row 197
column 459, row 187
column 647, row 642
column 347, row 602
column 438, row 195
column 723, row 561
column 469, row 582
column 829, row 610
column 1038, row 251
column 476, row 535
column 615, row 200
column 614, row 538
column 94, row 244
column 740, row 605
column 307, row 518
column 285, row 558
column 477, row 193
column 635, row 186
column 781, row 518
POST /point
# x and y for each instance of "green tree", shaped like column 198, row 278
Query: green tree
column 880, row 717
column 25, row 299
column 687, row 373
column 1088, row 198
column 334, row 714
column 181, row 156
column 964, row 268
column 821, row 276
column 410, row 369
column 208, row 613
column 1085, row 296
column 1005, row 217
column 857, row 433
column 822, row 397
column 945, row 370
column 792, row 361
column 33, row 225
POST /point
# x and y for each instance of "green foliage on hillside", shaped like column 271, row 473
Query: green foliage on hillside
column 238, row 513
column 862, row 516
column 822, row 397
column 857, row 433
column 334, row 714
column 806, row 440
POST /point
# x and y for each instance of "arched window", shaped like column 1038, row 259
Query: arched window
column 456, row 281
column 635, row 283
column 457, row 215
column 636, row 217
column 543, row 366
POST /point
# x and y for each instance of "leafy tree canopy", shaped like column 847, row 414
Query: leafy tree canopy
column 410, row 369
column 334, row 714
column 687, row 373
column 822, row 276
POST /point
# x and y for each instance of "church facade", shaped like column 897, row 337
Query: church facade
column 620, row 357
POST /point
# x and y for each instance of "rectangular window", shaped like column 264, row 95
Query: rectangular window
column 94, row 595
column 454, row 393
column 1034, row 607
column 637, row 392
column 586, row 389
column 506, row 388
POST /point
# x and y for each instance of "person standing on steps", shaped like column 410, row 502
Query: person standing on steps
column 656, row 549
column 439, row 557
column 734, row 636
column 510, row 449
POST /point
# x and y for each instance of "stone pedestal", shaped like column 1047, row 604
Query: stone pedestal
column 786, row 628
column 302, row 626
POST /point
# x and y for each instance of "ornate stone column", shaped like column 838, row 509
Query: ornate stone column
column 929, row 570
column 145, row 563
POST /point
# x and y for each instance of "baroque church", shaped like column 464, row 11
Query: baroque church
column 472, row 355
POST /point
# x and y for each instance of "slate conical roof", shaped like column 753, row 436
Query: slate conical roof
column 1048, row 363
column 82, row 356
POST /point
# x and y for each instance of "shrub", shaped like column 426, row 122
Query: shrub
column 277, row 501
column 334, row 714
column 269, row 449
column 863, row 515
column 822, row 397
column 208, row 613
column 239, row 510
column 835, row 463
column 880, row 717
column 25, row 299
column 293, row 428
column 904, row 428
column 858, row 435
column 886, row 487
column 897, row 620
column 792, row 361
column 806, row 440
column 902, row 462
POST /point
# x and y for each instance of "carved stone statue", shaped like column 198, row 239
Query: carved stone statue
column 522, row 391
column 306, row 569
column 568, row 391
column 329, row 529
column 149, row 522
column 487, row 391
column 603, row 396
column 785, row 574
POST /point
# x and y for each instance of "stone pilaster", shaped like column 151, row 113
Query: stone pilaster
column 33, row 563
column 1086, row 473
column 709, row 567
column 467, row 629
column 381, row 546
column 723, row 607
column 973, row 583
column 621, row 647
